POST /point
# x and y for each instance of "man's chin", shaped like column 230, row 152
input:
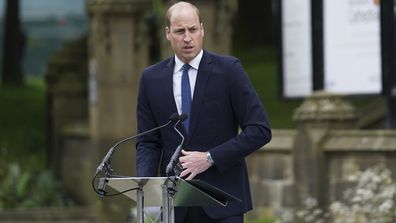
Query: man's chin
column 189, row 55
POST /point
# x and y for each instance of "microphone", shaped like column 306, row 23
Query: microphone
column 175, row 156
column 106, row 160
column 183, row 117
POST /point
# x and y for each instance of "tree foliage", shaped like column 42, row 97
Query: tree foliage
column 13, row 44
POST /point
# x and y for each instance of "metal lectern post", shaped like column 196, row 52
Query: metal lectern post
column 140, row 205
column 167, row 206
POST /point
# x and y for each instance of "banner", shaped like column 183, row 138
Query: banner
column 352, row 47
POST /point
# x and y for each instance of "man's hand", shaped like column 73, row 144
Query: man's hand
column 193, row 163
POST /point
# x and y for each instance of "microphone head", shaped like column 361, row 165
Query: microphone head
column 174, row 117
column 183, row 117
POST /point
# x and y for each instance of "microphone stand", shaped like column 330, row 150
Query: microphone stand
column 170, row 183
column 174, row 163
column 106, row 160
column 105, row 164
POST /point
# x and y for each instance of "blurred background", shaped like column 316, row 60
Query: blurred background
column 69, row 78
column 45, row 26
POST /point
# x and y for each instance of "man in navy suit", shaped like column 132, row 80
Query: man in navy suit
column 222, row 101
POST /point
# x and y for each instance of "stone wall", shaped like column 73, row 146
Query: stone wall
column 316, row 159
column 349, row 151
column 346, row 151
column 271, row 175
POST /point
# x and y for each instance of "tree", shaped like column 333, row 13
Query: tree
column 257, row 14
column 13, row 44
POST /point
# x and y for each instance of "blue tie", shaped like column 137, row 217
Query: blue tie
column 186, row 95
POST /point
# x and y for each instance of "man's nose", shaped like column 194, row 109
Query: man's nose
column 187, row 37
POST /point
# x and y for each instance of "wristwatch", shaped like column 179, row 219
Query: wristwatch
column 209, row 159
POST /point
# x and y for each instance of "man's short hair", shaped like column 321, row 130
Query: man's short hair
column 171, row 8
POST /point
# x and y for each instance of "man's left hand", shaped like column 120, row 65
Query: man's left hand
column 193, row 163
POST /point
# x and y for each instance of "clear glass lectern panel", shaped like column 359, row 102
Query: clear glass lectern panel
column 186, row 193
column 151, row 186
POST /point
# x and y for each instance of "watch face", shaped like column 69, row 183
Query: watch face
column 209, row 158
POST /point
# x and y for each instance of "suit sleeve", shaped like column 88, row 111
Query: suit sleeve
column 148, row 147
column 251, row 116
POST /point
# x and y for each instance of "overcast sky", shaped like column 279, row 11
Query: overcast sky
column 44, row 8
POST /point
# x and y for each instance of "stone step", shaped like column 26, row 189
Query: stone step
column 47, row 215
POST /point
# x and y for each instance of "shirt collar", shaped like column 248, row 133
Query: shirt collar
column 193, row 63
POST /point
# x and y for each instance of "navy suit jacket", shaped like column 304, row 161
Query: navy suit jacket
column 224, row 101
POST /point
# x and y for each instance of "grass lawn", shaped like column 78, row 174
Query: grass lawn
column 259, row 221
column 22, row 124
column 261, row 65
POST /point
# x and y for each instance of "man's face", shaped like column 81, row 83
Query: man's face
column 185, row 34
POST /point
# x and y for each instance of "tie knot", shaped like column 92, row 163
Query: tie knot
column 186, row 67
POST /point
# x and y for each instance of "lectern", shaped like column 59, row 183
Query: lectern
column 169, row 193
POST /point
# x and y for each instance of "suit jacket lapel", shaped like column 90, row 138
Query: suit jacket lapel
column 167, row 92
column 203, row 75
column 169, row 104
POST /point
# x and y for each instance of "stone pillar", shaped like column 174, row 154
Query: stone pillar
column 66, row 80
column 217, row 17
column 118, row 52
column 70, row 151
column 320, row 113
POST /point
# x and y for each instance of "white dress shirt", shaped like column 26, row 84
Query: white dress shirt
column 177, row 75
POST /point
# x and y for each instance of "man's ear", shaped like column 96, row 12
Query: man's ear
column 203, row 31
column 167, row 32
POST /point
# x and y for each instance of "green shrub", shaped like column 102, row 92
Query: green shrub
column 27, row 189
column 370, row 199
column 23, row 181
